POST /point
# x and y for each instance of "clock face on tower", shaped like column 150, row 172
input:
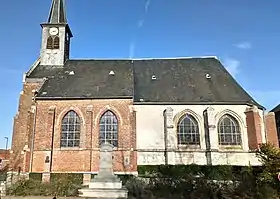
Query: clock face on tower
column 53, row 31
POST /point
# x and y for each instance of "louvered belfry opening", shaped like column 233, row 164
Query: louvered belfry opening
column 53, row 42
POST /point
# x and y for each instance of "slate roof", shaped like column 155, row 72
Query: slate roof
column 154, row 81
column 184, row 80
column 276, row 109
column 57, row 13
column 91, row 79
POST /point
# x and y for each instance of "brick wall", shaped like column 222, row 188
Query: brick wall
column 4, row 154
column 22, row 129
column 86, row 157
column 254, row 130
column 271, row 130
column 4, row 157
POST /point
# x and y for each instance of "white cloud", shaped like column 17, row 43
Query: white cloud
column 141, row 23
column 232, row 66
column 147, row 5
column 146, row 8
column 131, row 50
column 243, row 45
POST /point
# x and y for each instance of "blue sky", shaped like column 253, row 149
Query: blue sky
column 245, row 35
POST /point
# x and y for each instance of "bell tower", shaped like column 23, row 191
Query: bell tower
column 56, row 35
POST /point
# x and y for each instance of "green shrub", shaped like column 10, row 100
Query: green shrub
column 35, row 176
column 60, row 185
column 28, row 187
column 137, row 188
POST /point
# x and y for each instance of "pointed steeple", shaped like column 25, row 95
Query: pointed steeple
column 57, row 13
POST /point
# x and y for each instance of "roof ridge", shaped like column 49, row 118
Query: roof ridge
column 144, row 59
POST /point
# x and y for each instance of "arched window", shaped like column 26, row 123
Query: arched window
column 229, row 131
column 56, row 43
column 53, row 42
column 108, row 128
column 188, row 131
column 50, row 43
column 71, row 129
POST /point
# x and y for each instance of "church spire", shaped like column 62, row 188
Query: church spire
column 57, row 13
column 56, row 35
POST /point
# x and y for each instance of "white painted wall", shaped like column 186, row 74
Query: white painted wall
column 151, row 143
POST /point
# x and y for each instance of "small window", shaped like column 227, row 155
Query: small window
column 53, row 42
column 50, row 43
column 47, row 160
column 56, row 43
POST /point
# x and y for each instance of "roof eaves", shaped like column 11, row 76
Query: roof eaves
column 82, row 98
column 33, row 67
column 276, row 109
column 198, row 103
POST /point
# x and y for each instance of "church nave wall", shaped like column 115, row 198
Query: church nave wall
column 69, row 133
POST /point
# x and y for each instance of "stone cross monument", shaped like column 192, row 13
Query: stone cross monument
column 106, row 163
column 105, row 184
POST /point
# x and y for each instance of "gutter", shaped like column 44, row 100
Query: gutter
column 165, row 138
column 84, row 98
column 197, row 103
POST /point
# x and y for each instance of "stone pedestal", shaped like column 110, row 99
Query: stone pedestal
column 46, row 177
column 2, row 189
column 86, row 179
column 105, row 184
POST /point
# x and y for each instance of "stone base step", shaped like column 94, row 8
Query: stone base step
column 105, row 185
column 103, row 193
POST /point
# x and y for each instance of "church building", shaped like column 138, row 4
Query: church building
column 153, row 111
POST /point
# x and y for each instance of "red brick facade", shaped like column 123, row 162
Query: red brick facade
column 254, row 129
column 23, row 127
column 85, row 158
column 255, row 126
column 4, row 157
column 271, row 130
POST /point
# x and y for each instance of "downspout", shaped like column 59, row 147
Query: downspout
column 33, row 134
column 90, row 162
column 165, row 138
column 53, row 126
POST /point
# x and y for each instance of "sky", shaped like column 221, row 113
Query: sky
column 244, row 35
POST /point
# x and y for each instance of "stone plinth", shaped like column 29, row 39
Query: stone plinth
column 105, row 184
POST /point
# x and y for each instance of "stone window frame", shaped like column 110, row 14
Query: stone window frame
column 76, row 123
column 120, row 123
column 53, row 42
column 116, row 131
column 242, row 127
column 82, row 129
column 200, row 123
column 192, row 127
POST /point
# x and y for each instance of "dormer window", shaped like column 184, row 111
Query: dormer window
column 53, row 42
